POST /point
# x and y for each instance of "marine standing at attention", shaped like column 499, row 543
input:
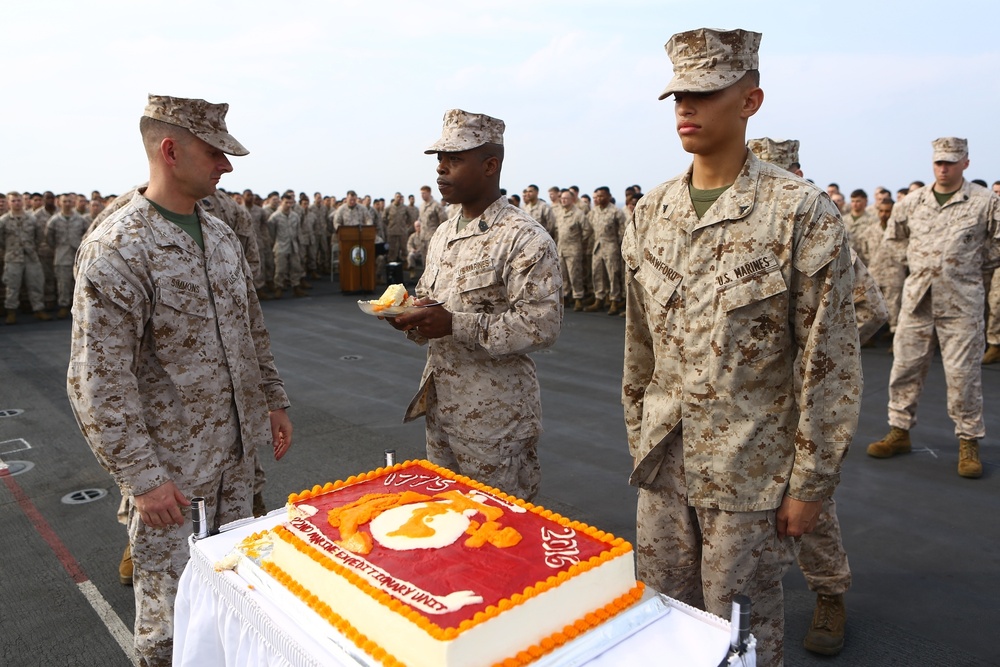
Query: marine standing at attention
column 496, row 273
column 738, row 280
column 171, row 377
column 946, row 235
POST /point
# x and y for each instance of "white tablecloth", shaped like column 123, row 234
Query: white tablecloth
column 222, row 619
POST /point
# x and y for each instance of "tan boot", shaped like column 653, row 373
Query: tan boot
column 826, row 634
column 278, row 294
column 125, row 567
column 896, row 442
column 63, row 313
column 969, row 464
column 299, row 291
column 42, row 316
column 11, row 317
column 259, row 509
column 992, row 354
column 594, row 307
column 578, row 305
column 616, row 307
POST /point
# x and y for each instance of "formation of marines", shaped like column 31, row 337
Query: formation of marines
column 747, row 293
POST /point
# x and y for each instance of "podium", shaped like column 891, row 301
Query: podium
column 357, row 258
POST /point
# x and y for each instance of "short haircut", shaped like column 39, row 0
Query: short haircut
column 532, row 185
column 425, row 188
column 603, row 188
column 155, row 131
column 859, row 193
column 833, row 185
column 979, row 181
column 352, row 192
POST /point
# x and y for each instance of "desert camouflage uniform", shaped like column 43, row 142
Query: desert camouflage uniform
column 171, row 378
column 947, row 250
column 864, row 235
column 398, row 229
column 499, row 277
column 572, row 233
column 307, row 239
column 347, row 216
column 542, row 213
column 607, row 224
column 285, row 228
column 888, row 267
column 414, row 214
column 265, row 245
column 821, row 556
column 218, row 204
column 64, row 235
column 238, row 219
column 414, row 251
column 719, row 311
column 20, row 237
column 431, row 217
column 46, row 255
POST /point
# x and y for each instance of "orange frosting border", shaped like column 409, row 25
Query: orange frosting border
column 618, row 547
column 521, row 658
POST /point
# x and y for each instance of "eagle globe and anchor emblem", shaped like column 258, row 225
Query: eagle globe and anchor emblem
column 358, row 255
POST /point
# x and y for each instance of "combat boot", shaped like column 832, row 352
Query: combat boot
column 992, row 354
column 304, row 284
column 969, row 464
column 594, row 307
column 578, row 305
column 896, row 442
column 125, row 567
column 11, row 317
column 63, row 313
column 299, row 291
column 826, row 634
column 616, row 307
column 42, row 316
column 278, row 294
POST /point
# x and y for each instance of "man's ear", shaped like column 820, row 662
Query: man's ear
column 491, row 165
column 752, row 101
column 168, row 150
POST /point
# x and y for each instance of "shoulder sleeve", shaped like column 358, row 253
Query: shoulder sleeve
column 821, row 237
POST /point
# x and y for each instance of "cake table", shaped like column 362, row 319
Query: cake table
column 223, row 618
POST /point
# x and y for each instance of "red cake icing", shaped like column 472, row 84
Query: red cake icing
column 493, row 573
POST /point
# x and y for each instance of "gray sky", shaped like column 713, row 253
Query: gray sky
column 341, row 95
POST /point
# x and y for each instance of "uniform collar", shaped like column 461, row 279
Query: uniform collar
column 482, row 224
column 166, row 233
column 734, row 204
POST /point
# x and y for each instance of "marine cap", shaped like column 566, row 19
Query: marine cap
column 780, row 152
column 203, row 119
column 950, row 149
column 464, row 131
column 706, row 60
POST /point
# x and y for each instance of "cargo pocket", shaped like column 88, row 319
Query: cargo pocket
column 179, row 321
column 482, row 292
column 756, row 312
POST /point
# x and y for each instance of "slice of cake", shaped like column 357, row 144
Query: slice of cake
column 424, row 568
column 393, row 297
